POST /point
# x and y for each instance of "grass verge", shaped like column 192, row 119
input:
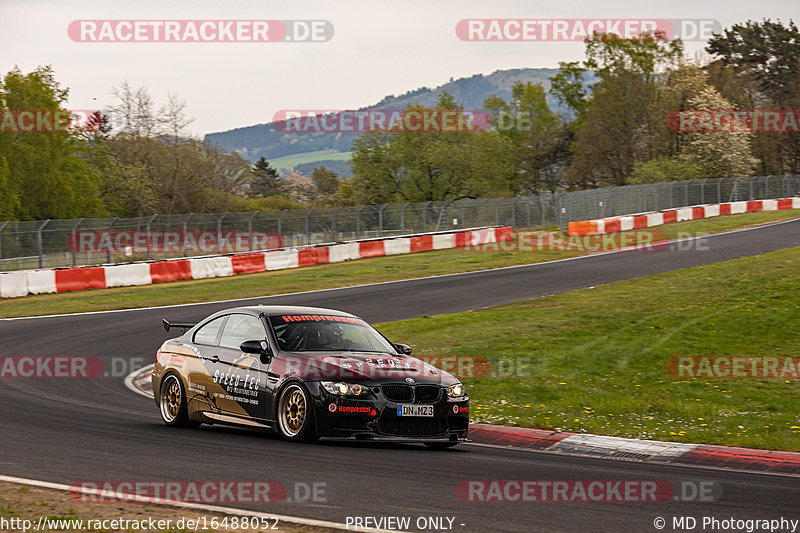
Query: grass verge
column 332, row 275
column 594, row 360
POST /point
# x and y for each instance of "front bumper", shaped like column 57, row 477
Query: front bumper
column 375, row 419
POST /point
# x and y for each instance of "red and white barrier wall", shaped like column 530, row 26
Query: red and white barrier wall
column 646, row 220
column 24, row 282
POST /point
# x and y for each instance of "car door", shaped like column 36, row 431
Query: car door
column 245, row 380
column 203, row 391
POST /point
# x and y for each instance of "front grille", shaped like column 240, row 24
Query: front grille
column 413, row 426
column 398, row 393
column 427, row 393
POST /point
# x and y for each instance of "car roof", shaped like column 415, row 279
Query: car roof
column 271, row 310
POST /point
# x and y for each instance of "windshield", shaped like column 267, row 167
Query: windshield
column 327, row 333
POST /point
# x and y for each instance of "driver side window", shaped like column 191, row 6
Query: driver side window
column 242, row 328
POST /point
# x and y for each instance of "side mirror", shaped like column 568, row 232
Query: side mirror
column 257, row 347
column 404, row 349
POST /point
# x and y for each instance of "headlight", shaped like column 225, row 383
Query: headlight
column 456, row 391
column 340, row 388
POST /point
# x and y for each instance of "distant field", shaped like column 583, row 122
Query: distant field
column 290, row 161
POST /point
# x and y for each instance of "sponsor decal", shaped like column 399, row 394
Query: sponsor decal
column 357, row 409
column 332, row 408
column 321, row 318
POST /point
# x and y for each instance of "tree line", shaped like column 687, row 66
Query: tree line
column 615, row 132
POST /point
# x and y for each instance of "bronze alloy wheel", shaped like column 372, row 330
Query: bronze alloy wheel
column 295, row 419
column 171, row 399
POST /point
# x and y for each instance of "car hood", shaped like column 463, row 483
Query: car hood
column 362, row 366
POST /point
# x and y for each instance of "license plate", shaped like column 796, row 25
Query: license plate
column 414, row 410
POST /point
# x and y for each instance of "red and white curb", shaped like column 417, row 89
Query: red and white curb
column 24, row 282
column 232, row 511
column 140, row 381
column 602, row 226
column 599, row 446
column 606, row 447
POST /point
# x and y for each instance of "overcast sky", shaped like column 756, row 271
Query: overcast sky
column 380, row 47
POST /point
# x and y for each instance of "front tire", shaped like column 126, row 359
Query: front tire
column 296, row 414
column 172, row 403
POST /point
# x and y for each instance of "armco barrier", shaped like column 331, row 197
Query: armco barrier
column 645, row 220
column 21, row 283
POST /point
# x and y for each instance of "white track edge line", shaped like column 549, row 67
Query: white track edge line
column 186, row 505
column 528, row 265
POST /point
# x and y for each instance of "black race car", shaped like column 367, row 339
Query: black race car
column 305, row 373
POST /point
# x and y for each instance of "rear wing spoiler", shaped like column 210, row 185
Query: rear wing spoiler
column 167, row 325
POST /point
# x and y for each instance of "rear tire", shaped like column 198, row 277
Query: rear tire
column 296, row 414
column 172, row 403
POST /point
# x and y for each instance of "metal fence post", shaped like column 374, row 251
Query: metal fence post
column 333, row 223
column 528, row 211
column 380, row 219
column 308, row 225
column 3, row 225
column 149, row 244
column 186, row 230
column 497, row 212
column 425, row 215
column 72, row 241
column 40, row 243
column 250, row 229
column 280, row 218
column 403, row 218
column 108, row 228
column 358, row 221
column 219, row 232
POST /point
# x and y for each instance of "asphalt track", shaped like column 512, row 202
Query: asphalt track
column 68, row 430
